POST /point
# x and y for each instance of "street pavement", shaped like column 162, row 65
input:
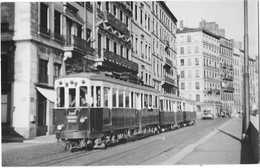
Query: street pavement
column 221, row 145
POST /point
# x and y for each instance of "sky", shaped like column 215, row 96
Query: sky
column 228, row 14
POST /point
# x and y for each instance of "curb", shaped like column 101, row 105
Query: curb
column 187, row 150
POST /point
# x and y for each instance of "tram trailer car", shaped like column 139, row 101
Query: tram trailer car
column 94, row 107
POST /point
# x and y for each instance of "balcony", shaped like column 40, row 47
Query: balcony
column 168, row 61
column 74, row 43
column 170, row 81
column 227, row 77
column 113, row 21
column 228, row 89
column 112, row 57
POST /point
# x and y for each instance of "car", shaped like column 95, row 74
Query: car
column 207, row 115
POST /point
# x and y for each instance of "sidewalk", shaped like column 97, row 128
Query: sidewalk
column 37, row 140
column 221, row 146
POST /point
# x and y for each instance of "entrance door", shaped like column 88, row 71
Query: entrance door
column 41, row 115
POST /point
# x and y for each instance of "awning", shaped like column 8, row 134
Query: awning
column 48, row 93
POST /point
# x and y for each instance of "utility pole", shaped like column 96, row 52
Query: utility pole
column 246, row 117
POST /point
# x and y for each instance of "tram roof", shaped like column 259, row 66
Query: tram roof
column 106, row 77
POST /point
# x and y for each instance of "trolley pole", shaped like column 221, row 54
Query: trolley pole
column 246, row 117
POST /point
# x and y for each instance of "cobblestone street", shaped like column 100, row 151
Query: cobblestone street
column 149, row 151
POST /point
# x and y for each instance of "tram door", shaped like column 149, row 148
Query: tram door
column 41, row 115
column 138, row 102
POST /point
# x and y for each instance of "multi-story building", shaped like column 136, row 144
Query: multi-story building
column 227, row 75
column 252, row 82
column 41, row 41
column 198, row 66
column 212, row 27
column 238, row 78
column 141, row 39
column 164, row 64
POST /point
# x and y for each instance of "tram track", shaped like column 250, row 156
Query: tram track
column 127, row 154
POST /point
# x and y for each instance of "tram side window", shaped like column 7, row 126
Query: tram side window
column 92, row 96
column 114, row 97
column 150, row 100
column 98, row 96
column 132, row 100
column 84, row 96
column 155, row 102
column 127, row 99
column 60, row 97
column 161, row 105
column 72, row 97
column 106, row 93
column 121, row 100
column 145, row 101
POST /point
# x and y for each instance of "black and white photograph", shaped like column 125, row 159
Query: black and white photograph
column 130, row 83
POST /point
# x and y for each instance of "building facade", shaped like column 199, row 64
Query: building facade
column 198, row 66
column 43, row 40
column 252, row 84
column 238, row 79
column 48, row 39
column 227, row 75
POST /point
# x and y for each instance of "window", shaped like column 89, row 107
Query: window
column 79, row 31
column 107, row 43
column 44, row 19
column 114, row 11
column 60, row 97
column 57, row 24
column 84, row 96
column 141, row 16
column 122, row 51
column 98, row 96
column 127, row 99
column 72, row 97
column 88, row 34
column 197, row 84
column 121, row 16
column 189, row 50
column 135, row 12
column 182, row 86
column 197, row 73
column 189, row 38
column 43, row 71
column 189, row 74
column 107, row 6
column 56, row 70
column 150, row 100
column 121, row 96
column 114, row 97
column 182, row 62
column 196, row 61
column 197, row 97
column 182, row 74
column 115, row 47
column 181, row 50
column 189, row 61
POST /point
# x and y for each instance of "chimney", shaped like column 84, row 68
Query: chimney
column 181, row 24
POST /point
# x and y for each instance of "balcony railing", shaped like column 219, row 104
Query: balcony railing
column 170, row 80
column 168, row 61
column 228, row 89
column 108, row 55
column 74, row 42
column 116, row 23
column 227, row 77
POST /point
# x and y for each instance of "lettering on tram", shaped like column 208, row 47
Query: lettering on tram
column 97, row 110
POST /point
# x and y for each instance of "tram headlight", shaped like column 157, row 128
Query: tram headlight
column 83, row 119
column 60, row 127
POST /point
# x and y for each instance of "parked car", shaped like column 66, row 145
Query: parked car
column 207, row 115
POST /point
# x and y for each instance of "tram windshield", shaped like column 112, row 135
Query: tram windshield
column 72, row 97
column 84, row 96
